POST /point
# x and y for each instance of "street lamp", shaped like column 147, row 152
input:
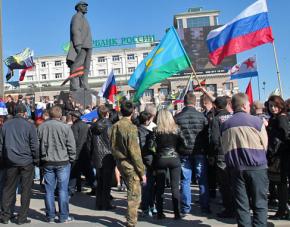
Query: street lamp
column 264, row 88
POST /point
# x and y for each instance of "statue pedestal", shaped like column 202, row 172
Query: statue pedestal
column 81, row 96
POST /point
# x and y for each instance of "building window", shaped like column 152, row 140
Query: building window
column 43, row 64
column 57, row 63
column 216, row 20
column 131, row 56
column 198, row 22
column 131, row 69
column 148, row 95
column 163, row 91
column 116, row 58
column 117, row 71
column 211, row 88
column 228, row 86
column 43, row 76
column 179, row 23
column 101, row 59
column 58, row 75
column 145, row 55
column 102, row 72
column 29, row 78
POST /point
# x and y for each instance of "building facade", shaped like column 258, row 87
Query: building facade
column 45, row 78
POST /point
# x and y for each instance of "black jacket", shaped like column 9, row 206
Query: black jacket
column 166, row 144
column 80, row 130
column 144, row 136
column 10, row 107
column 99, row 143
column 19, row 143
column 194, row 127
column 278, row 135
column 215, row 133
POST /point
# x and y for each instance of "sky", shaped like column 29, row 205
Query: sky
column 43, row 26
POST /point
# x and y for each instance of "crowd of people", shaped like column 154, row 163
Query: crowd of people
column 240, row 149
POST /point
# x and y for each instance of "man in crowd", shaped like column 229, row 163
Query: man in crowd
column 223, row 177
column 126, row 151
column 20, row 151
column 58, row 151
column 80, row 130
column 82, row 163
column 206, row 103
column 194, row 126
column 244, row 141
column 102, row 158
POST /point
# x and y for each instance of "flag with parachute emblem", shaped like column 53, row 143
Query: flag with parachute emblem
column 165, row 60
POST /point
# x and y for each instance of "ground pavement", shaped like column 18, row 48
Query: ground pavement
column 82, row 208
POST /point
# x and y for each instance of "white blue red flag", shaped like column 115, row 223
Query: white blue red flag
column 247, row 68
column 249, row 29
column 109, row 88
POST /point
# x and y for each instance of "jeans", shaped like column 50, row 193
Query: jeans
column 197, row 163
column 148, row 190
column 250, row 184
column 57, row 177
column 36, row 173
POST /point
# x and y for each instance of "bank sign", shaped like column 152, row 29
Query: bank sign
column 112, row 42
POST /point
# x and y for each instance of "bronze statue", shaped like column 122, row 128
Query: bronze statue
column 80, row 51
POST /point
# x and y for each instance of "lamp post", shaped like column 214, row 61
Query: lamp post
column 264, row 88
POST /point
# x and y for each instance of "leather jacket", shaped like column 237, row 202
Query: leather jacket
column 166, row 143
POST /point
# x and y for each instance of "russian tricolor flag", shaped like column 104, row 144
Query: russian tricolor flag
column 248, row 30
column 109, row 88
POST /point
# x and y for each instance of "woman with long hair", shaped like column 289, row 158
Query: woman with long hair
column 166, row 138
column 278, row 153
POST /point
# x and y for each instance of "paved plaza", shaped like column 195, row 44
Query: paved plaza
column 82, row 208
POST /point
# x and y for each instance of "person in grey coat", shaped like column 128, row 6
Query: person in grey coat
column 57, row 151
column 80, row 51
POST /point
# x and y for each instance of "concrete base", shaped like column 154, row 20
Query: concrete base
column 81, row 97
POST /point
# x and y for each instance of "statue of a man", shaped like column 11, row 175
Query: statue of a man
column 80, row 51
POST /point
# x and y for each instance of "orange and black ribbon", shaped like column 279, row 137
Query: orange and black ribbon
column 76, row 73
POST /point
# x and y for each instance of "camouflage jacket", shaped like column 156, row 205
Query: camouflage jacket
column 125, row 145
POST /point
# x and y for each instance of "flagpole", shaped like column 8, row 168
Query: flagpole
column 194, row 73
column 258, row 78
column 278, row 71
column 259, row 88
column 188, row 83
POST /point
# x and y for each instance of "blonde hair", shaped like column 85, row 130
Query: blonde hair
column 165, row 122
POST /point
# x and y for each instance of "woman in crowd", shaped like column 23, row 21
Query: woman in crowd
column 278, row 153
column 144, row 132
column 165, row 140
